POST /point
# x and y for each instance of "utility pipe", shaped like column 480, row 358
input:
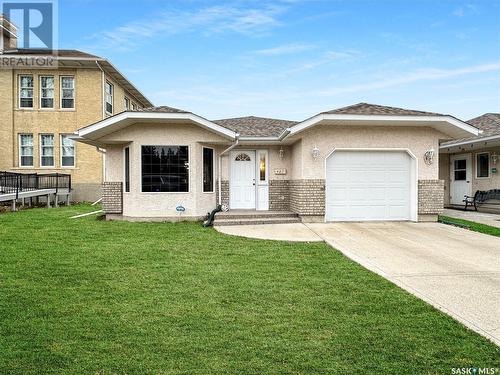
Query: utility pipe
column 219, row 169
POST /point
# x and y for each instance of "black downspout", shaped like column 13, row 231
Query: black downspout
column 211, row 216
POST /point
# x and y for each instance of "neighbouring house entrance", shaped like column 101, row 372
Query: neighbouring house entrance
column 460, row 178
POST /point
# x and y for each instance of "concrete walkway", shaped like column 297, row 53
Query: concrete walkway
column 453, row 269
column 478, row 217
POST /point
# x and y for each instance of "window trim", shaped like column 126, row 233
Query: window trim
column 40, row 88
column 61, row 93
column 61, row 152
column 112, row 94
column 33, row 150
column 477, row 169
column 214, row 172
column 40, row 147
column 129, row 169
column 166, row 192
column 126, row 102
column 19, row 92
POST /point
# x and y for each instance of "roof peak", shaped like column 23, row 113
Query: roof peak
column 364, row 108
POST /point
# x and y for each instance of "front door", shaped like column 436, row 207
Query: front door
column 242, row 180
column 460, row 178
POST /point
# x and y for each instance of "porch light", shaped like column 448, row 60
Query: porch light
column 494, row 158
column 429, row 156
column 315, row 152
column 281, row 153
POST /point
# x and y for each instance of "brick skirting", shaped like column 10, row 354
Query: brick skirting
column 224, row 190
column 279, row 195
column 307, row 197
column 112, row 197
column 430, row 197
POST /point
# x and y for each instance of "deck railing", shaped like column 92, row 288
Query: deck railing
column 11, row 182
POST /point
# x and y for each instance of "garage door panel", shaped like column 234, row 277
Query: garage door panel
column 368, row 185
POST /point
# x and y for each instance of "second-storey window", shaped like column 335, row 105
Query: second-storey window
column 47, row 150
column 67, row 151
column 67, row 92
column 127, row 104
column 26, row 91
column 46, row 92
column 26, row 150
column 109, row 97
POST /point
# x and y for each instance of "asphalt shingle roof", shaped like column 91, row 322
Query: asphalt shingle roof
column 252, row 126
column 69, row 53
column 375, row 109
column 161, row 109
column 489, row 123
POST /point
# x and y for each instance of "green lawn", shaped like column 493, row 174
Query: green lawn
column 476, row 227
column 95, row 297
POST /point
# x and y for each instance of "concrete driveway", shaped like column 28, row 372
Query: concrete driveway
column 456, row 270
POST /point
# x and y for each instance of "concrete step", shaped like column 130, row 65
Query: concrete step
column 253, row 214
column 257, row 221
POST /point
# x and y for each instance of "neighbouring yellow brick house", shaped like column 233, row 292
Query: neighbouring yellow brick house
column 41, row 108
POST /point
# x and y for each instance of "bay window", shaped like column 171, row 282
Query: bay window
column 165, row 169
column 208, row 170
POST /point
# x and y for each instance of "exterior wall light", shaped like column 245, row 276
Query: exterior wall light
column 429, row 156
column 281, row 153
column 494, row 158
column 315, row 152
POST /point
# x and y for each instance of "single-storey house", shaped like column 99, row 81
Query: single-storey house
column 470, row 164
column 358, row 163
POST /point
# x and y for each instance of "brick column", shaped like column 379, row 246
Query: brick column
column 430, row 197
column 279, row 195
column 112, row 197
column 307, row 197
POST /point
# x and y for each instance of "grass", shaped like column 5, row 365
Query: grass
column 94, row 297
column 476, row 227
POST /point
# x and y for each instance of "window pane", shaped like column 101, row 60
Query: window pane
column 483, row 165
column 461, row 164
column 165, row 168
column 460, row 175
column 67, row 82
column 208, row 170
column 68, row 161
column 68, row 103
column 27, row 139
column 26, row 161
column 47, row 161
column 47, row 140
column 262, row 167
column 127, row 169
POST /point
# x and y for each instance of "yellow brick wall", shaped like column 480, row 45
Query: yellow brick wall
column 88, row 170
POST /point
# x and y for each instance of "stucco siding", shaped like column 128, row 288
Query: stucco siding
column 328, row 138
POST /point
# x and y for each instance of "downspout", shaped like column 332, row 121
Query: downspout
column 219, row 169
column 103, row 117
column 102, row 89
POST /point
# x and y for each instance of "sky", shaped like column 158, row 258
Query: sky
column 292, row 59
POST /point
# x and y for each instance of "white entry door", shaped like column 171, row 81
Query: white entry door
column 460, row 178
column 370, row 185
column 242, row 180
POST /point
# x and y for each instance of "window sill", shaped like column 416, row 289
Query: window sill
column 46, row 168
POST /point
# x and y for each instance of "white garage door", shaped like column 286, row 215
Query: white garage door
column 368, row 185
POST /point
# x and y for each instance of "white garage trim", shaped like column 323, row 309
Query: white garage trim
column 413, row 174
